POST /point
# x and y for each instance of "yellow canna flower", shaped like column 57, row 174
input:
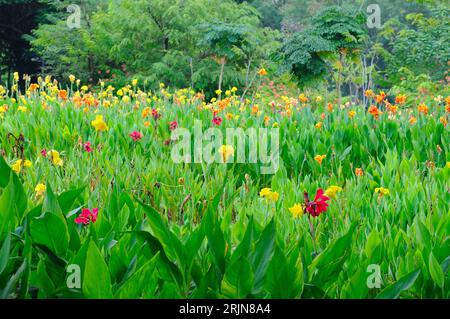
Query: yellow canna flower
column 296, row 210
column 273, row 196
column 265, row 192
column 17, row 166
column 332, row 191
column 448, row 165
column 226, row 151
column 55, row 158
column 382, row 191
column 99, row 124
column 40, row 189
column 72, row 78
column 268, row 194
column 351, row 114
column 22, row 109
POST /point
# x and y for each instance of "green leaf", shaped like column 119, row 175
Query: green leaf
column 327, row 266
column 436, row 271
column 142, row 282
column 238, row 279
column 7, row 210
column 4, row 294
column 51, row 231
column 51, row 203
column 45, row 282
column 4, row 253
column 97, row 280
column 263, row 254
column 345, row 153
column 393, row 291
column 284, row 280
column 5, row 173
column 171, row 244
column 66, row 199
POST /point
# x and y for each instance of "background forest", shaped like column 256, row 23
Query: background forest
column 211, row 44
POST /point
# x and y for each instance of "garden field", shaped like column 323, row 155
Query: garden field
column 93, row 205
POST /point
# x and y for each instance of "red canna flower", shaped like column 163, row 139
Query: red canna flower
column 155, row 114
column 319, row 205
column 87, row 147
column 136, row 136
column 173, row 125
column 44, row 152
column 217, row 120
column 87, row 216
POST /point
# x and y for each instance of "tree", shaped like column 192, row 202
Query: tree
column 335, row 31
column 18, row 18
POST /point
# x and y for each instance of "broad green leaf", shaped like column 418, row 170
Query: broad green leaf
column 393, row 291
column 238, row 279
column 51, row 203
column 171, row 244
column 51, row 231
column 4, row 253
column 326, row 267
column 7, row 210
column 141, row 282
column 436, row 271
column 262, row 256
column 284, row 280
column 45, row 282
column 97, row 280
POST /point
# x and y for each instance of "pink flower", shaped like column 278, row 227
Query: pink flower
column 155, row 114
column 217, row 120
column 87, row 216
column 44, row 152
column 319, row 205
column 87, row 147
column 173, row 125
column 136, row 136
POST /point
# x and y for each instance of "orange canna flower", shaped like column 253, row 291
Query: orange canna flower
column 319, row 158
column 359, row 171
column 400, row 99
column 369, row 93
column 380, row 97
column 375, row 111
column 262, row 72
column 302, row 97
column 423, row 109
column 330, row 107
column 62, row 94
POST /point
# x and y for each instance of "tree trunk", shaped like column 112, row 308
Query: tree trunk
column 191, row 65
column 222, row 67
column 339, row 81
